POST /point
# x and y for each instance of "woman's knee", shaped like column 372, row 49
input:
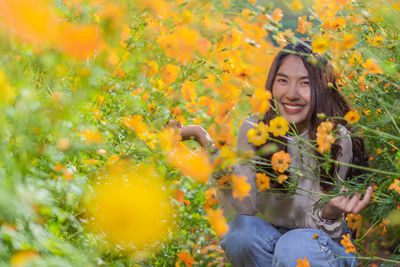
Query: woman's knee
column 249, row 234
column 299, row 243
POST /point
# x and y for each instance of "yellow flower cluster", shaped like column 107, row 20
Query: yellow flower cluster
column 259, row 135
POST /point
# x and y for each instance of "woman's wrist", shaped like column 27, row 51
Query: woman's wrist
column 330, row 213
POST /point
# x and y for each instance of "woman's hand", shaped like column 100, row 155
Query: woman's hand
column 192, row 131
column 342, row 204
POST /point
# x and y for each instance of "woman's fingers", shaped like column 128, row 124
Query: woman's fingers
column 352, row 203
column 364, row 202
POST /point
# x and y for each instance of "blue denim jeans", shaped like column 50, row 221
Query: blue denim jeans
column 251, row 241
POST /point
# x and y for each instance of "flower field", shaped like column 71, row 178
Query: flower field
column 91, row 176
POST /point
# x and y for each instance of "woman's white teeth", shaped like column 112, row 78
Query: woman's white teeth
column 292, row 107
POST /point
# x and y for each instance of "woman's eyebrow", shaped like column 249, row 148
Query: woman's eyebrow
column 284, row 75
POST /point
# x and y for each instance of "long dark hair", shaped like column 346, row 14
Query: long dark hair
column 325, row 99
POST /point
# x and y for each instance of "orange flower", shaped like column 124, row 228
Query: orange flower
column 282, row 178
column 194, row 164
column 169, row 73
column 315, row 236
column 303, row 24
column 353, row 220
column 189, row 91
column 240, row 187
column 218, row 221
column 263, row 181
column 186, row 258
column 352, row 116
column 280, row 161
column 347, row 244
column 302, row 263
column 324, row 137
column 79, row 41
column 395, row 185
column 372, row 67
column 277, row 14
column 278, row 126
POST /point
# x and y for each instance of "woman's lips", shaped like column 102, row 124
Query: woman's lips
column 293, row 109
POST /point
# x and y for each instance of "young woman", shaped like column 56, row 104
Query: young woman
column 287, row 226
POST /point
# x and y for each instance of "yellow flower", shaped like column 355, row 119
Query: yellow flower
column 280, row 161
column 186, row 258
column 259, row 135
column 240, row 187
column 352, row 116
column 347, row 244
column 395, row 185
column 192, row 163
column 218, row 221
column 349, row 41
column 296, row 5
column 136, row 124
column 263, row 181
column 260, row 101
column 7, row 92
column 92, row 136
column 372, row 67
column 303, row 263
column 320, row 45
column 131, row 206
column 278, row 126
column 282, row 178
column 353, row 220
column 23, row 257
column 229, row 157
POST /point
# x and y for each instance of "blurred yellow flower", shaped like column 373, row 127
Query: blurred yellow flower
column 192, row 163
column 263, row 181
column 280, row 161
column 136, row 124
column 296, row 5
column 131, row 207
column 7, row 92
column 92, row 136
column 278, row 126
column 320, row 45
column 169, row 73
column 259, row 135
column 217, row 221
column 352, row 116
column 349, row 41
column 260, row 101
column 23, row 257
column 240, row 186
column 372, row 67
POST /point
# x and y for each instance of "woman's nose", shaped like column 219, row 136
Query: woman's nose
column 292, row 92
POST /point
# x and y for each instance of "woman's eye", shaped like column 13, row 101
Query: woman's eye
column 305, row 82
column 282, row 80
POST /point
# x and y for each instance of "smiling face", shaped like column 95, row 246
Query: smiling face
column 291, row 88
